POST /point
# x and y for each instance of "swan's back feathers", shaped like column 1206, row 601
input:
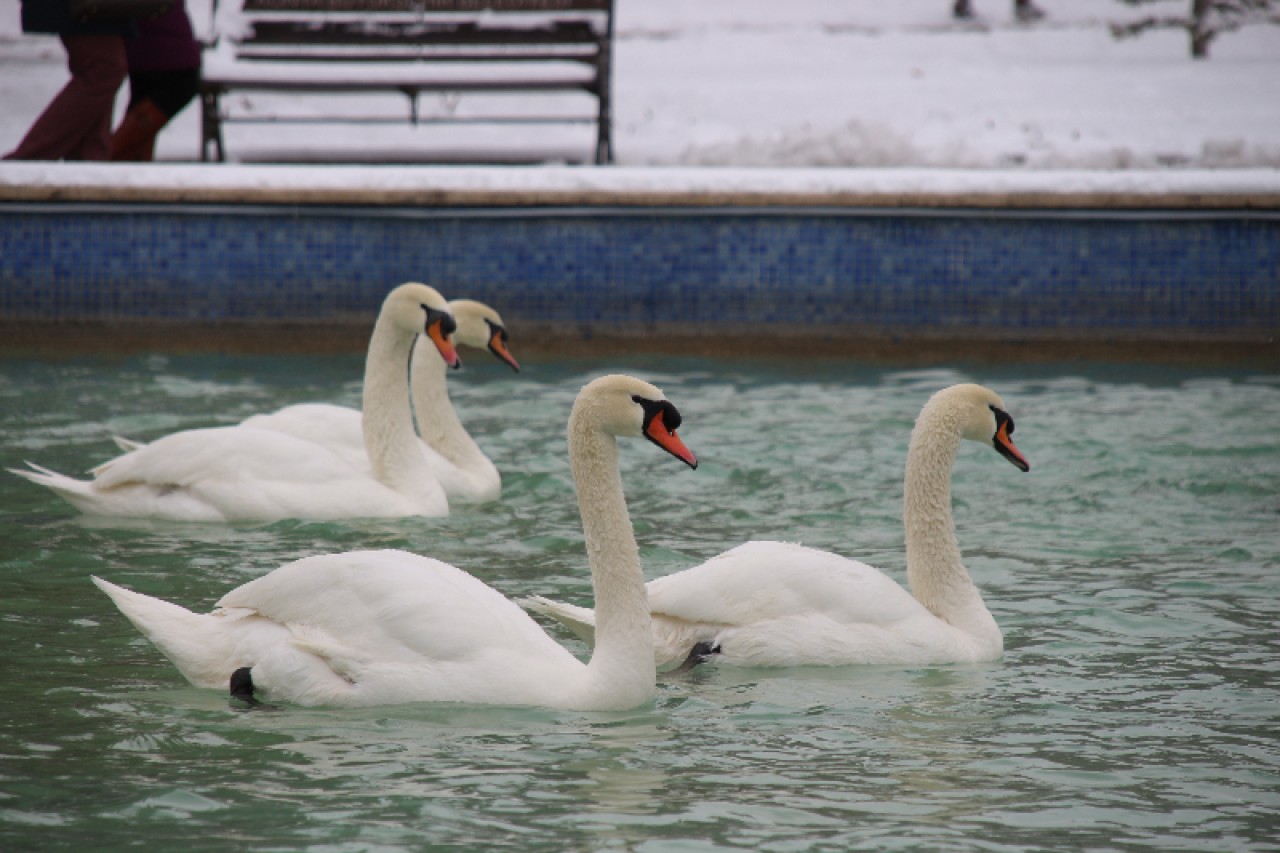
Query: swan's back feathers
column 338, row 428
column 778, row 604
column 234, row 473
column 398, row 606
column 379, row 627
column 218, row 454
column 778, row 580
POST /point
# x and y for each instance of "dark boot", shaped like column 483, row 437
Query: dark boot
column 963, row 10
column 1026, row 11
column 135, row 139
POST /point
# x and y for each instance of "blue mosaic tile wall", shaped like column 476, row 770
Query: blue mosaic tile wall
column 1088, row 276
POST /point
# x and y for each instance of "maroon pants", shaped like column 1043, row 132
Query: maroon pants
column 77, row 123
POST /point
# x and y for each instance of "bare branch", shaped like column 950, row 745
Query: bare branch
column 1206, row 20
column 1132, row 29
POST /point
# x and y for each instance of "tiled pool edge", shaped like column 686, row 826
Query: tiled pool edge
column 1138, row 270
column 536, row 343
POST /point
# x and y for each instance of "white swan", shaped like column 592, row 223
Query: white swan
column 239, row 473
column 466, row 473
column 381, row 627
column 455, row 460
column 778, row 604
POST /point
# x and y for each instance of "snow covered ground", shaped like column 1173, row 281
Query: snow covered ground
column 824, row 83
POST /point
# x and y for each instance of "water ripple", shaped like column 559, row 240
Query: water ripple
column 1132, row 570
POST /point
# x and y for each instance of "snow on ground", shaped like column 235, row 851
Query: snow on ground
column 816, row 83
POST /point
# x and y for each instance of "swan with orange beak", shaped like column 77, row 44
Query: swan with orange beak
column 781, row 604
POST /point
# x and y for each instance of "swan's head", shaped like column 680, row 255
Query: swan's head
column 480, row 326
column 982, row 417
column 421, row 310
column 625, row 406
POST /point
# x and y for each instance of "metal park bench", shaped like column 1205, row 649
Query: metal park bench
column 449, row 47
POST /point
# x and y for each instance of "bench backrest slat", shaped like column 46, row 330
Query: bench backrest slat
column 427, row 35
column 427, row 6
column 284, row 54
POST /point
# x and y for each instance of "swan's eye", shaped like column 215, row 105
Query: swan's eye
column 500, row 331
column 447, row 324
column 1003, row 418
column 670, row 416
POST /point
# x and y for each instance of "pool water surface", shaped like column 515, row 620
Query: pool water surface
column 1133, row 570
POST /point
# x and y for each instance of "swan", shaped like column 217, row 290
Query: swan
column 781, row 604
column 383, row 627
column 455, row 460
column 237, row 473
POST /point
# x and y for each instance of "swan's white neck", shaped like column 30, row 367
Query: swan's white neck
column 935, row 572
column 622, row 670
column 387, row 421
column 438, row 422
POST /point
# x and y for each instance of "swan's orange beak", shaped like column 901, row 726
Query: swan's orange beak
column 657, row 432
column 498, row 346
column 1005, row 446
column 441, row 339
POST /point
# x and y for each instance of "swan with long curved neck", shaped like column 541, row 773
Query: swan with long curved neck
column 455, row 460
column 239, row 473
column 462, row 468
column 778, row 604
column 382, row 627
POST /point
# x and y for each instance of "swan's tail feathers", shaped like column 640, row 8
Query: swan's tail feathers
column 198, row 644
column 78, row 493
column 580, row 620
column 128, row 445
column 39, row 474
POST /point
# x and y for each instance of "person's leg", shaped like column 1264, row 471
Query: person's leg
column 963, row 10
column 134, row 140
column 103, row 67
column 1026, row 10
column 155, row 98
column 76, row 125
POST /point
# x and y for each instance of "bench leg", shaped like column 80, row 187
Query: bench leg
column 604, row 142
column 604, row 95
column 210, row 127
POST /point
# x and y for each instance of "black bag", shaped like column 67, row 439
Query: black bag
column 90, row 11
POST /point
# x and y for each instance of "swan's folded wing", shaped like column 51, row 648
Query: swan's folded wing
column 220, row 454
column 238, row 473
column 338, row 428
column 766, row 581
column 394, row 606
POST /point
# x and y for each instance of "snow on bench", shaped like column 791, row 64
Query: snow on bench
column 411, row 47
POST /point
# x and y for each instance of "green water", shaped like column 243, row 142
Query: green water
column 1134, row 571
